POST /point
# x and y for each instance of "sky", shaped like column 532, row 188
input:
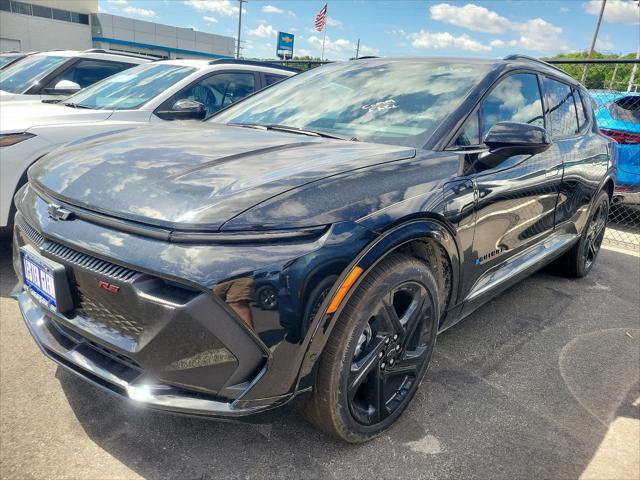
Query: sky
column 404, row 28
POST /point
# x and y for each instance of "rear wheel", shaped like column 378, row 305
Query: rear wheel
column 378, row 351
column 578, row 261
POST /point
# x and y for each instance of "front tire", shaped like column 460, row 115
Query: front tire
column 579, row 261
column 378, row 351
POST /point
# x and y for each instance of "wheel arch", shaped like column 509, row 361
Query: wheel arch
column 418, row 237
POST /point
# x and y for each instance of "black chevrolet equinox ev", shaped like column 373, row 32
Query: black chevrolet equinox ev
column 312, row 239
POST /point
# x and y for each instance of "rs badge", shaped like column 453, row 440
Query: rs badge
column 110, row 287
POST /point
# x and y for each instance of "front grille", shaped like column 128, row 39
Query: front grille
column 74, row 257
column 88, row 262
column 109, row 316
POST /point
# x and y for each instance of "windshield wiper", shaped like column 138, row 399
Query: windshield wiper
column 76, row 105
column 288, row 129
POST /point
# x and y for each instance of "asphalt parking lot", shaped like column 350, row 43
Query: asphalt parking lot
column 543, row 382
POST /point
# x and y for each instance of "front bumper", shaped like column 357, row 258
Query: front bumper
column 170, row 349
column 183, row 315
column 115, row 374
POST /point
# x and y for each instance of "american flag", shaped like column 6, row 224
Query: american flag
column 321, row 18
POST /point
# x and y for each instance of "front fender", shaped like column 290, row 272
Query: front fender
column 368, row 258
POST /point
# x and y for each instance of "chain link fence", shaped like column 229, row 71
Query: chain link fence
column 615, row 92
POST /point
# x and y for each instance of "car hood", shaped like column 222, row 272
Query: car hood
column 6, row 97
column 195, row 176
column 21, row 117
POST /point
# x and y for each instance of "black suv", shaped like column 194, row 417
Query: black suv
column 383, row 199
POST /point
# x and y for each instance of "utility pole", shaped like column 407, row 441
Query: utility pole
column 358, row 49
column 239, row 28
column 593, row 42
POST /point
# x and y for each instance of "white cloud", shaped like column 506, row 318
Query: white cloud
column 605, row 44
column 440, row 40
column 332, row 22
column 210, row 19
column 616, row 11
column 538, row 35
column 503, row 43
column 535, row 34
column 140, row 12
column 272, row 9
column 337, row 49
column 263, row 31
column 470, row 16
column 118, row 2
column 222, row 7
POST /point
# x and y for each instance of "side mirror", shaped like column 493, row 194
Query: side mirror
column 507, row 139
column 63, row 87
column 184, row 110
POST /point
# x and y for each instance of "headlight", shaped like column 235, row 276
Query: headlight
column 8, row 139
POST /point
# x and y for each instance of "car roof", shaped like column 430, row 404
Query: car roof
column 98, row 54
column 231, row 64
column 58, row 53
column 511, row 62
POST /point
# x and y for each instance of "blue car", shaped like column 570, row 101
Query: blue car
column 618, row 116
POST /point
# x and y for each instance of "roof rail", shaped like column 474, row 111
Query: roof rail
column 366, row 57
column 121, row 53
column 254, row 63
column 533, row 59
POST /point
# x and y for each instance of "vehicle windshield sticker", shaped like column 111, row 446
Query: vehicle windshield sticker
column 380, row 106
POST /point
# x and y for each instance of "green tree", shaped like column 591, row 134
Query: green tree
column 604, row 76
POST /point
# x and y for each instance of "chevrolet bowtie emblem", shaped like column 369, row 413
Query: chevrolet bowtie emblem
column 56, row 212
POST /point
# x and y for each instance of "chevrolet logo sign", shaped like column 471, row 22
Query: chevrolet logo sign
column 56, row 212
column 287, row 39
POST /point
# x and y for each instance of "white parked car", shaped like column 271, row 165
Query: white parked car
column 154, row 92
column 57, row 74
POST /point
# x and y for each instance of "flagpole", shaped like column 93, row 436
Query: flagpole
column 324, row 36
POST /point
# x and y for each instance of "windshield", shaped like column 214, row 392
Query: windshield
column 5, row 59
column 20, row 77
column 395, row 101
column 131, row 88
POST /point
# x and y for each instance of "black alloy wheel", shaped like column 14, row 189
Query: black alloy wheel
column 578, row 261
column 595, row 234
column 378, row 351
column 390, row 354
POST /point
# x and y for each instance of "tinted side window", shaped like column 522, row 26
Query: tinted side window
column 86, row 72
column 219, row 90
column 582, row 114
column 271, row 79
column 560, row 109
column 514, row 99
column 470, row 134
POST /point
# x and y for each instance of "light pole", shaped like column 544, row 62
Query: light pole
column 239, row 28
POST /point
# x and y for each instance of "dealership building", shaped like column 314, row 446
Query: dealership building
column 78, row 25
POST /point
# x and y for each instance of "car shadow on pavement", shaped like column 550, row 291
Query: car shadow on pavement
column 526, row 387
